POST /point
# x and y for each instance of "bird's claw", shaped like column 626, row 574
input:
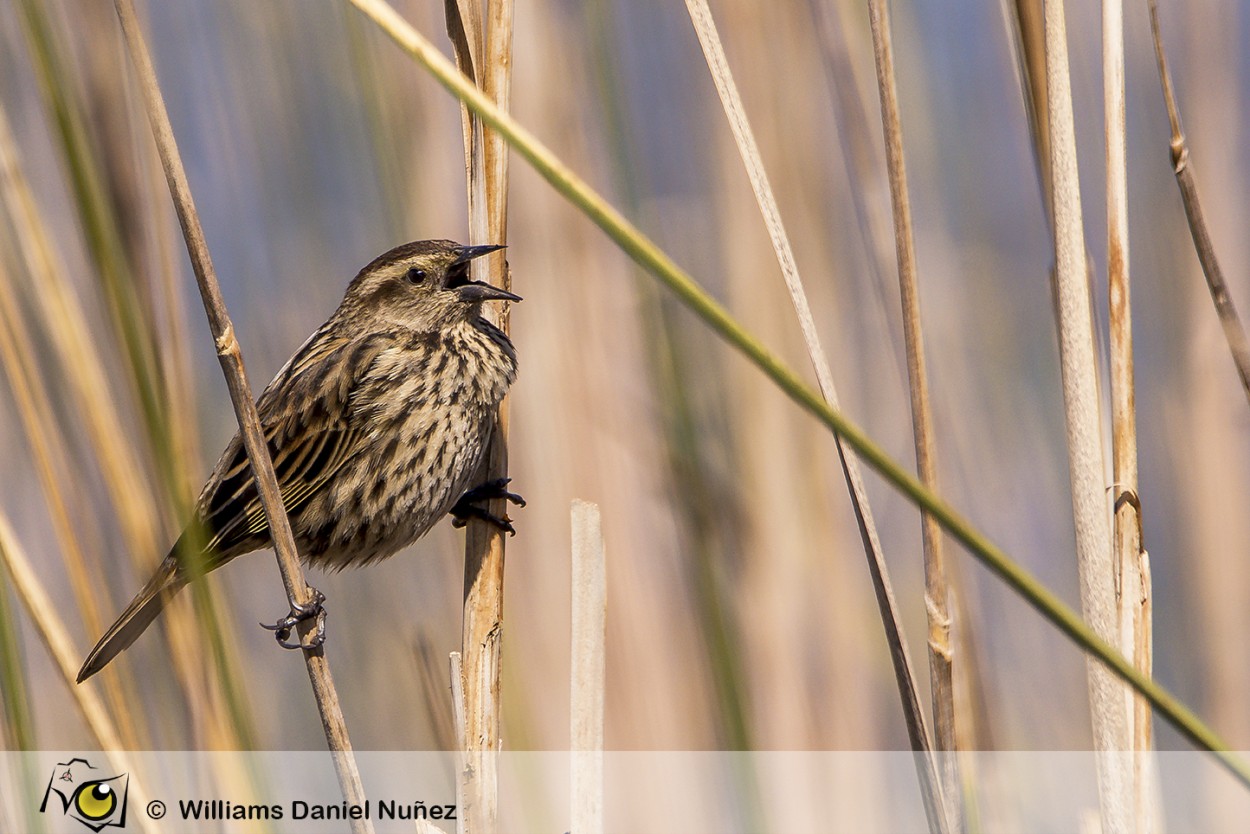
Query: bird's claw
column 467, row 507
column 488, row 490
column 472, row 511
column 299, row 613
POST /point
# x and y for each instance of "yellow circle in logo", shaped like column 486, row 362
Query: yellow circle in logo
column 95, row 800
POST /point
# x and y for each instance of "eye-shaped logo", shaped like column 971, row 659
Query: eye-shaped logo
column 87, row 796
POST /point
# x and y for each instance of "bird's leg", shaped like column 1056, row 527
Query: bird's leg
column 467, row 506
column 300, row 613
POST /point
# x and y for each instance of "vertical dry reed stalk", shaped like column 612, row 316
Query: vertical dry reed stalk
column 1078, row 364
column 483, row 48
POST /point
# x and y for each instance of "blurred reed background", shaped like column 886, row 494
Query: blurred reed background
column 740, row 612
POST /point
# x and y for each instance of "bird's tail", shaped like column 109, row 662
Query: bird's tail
column 143, row 609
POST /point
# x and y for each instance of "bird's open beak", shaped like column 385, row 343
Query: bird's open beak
column 468, row 253
column 478, row 290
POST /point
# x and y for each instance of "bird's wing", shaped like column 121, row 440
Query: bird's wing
column 304, row 413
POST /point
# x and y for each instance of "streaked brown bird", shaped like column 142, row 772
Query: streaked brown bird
column 377, row 427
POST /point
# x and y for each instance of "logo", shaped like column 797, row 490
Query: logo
column 96, row 801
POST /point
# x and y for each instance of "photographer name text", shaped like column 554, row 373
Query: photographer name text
column 298, row 809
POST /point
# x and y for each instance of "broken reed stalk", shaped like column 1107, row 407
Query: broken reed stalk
column 913, row 712
column 587, row 666
column 483, row 50
column 1132, row 578
column 231, row 359
column 1234, row 331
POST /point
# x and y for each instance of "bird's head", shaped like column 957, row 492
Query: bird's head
column 422, row 286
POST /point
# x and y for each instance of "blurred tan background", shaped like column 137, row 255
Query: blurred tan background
column 740, row 612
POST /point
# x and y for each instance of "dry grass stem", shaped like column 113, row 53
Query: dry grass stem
column 1230, row 321
column 231, row 358
column 718, row 64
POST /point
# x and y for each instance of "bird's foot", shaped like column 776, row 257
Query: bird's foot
column 467, row 506
column 299, row 613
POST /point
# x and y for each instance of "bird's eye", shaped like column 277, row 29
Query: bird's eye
column 415, row 276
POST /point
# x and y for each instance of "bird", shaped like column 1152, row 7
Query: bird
column 377, row 427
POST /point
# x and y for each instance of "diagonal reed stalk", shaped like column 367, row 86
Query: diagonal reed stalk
column 918, row 732
column 1225, row 309
column 231, row 359
column 634, row 243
